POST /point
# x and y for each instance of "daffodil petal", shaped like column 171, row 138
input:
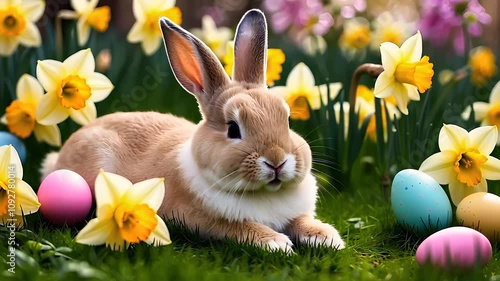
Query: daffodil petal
column 135, row 34
column 149, row 192
column 67, row 14
column 491, row 169
column 166, row 4
column 458, row 190
column 495, row 94
column 281, row 91
column 150, row 44
column 3, row 119
column 33, row 9
column 440, row 166
column 139, row 8
column 9, row 45
column 402, row 98
column 384, row 85
column 390, row 56
column 26, row 199
column 115, row 241
column 480, row 111
column 31, row 36
column 84, row 115
column 100, row 86
column 49, row 111
column 81, row 63
column 49, row 134
column 110, row 188
column 412, row 92
column 300, row 78
column 50, row 74
column 96, row 232
column 92, row 4
column 411, row 50
column 8, row 157
column 83, row 32
column 453, row 137
column 484, row 139
column 160, row 235
column 28, row 88
column 334, row 91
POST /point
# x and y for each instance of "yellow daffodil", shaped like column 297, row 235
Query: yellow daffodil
column 72, row 89
column 126, row 213
column 17, row 24
column 146, row 28
column 406, row 72
column 215, row 37
column 20, row 114
column 314, row 44
column 275, row 60
column 487, row 113
column 464, row 162
column 355, row 37
column 88, row 17
column 387, row 28
column 17, row 198
column 301, row 92
column 482, row 65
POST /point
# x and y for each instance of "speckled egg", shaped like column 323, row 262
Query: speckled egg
column 419, row 202
column 455, row 247
column 481, row 211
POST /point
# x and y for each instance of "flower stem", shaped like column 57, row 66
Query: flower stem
column 371, row 69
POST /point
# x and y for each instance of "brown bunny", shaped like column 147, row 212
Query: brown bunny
column 240, row 173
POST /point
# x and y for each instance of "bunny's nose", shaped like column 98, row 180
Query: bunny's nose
column 276, row 169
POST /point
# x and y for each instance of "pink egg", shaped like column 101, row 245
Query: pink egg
column 455, row 247
column 65, row 198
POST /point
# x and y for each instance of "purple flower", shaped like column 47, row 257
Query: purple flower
column 298, row 14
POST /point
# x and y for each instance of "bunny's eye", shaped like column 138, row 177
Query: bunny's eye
column 233, row 130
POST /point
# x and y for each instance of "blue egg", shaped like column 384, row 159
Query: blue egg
column 8, row 138
column 419, row 202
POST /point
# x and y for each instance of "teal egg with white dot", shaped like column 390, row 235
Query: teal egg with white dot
column 419, row 202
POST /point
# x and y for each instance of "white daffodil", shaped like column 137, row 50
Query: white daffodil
column 20, row 114
column 72, row 89
column 387, row 28
column 406, row 72
column 464, row 162
column 17, row 198
column 17, row 24
column 488, row 113
column 126, row 213
column 215, row 37
column 88, row 17
column 146, row 29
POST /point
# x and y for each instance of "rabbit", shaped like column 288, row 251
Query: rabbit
column 240, row 173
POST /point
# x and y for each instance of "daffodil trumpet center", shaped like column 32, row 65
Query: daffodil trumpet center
column 99, row 18
column 74, row 92
column 494, row 115
column 392, row 35
column 357, row 38
column 20, row 117
column 468, row 167
column 135, row 222
column 12, row 23
column 151, row 24
column 299, row 107
column 416, row 73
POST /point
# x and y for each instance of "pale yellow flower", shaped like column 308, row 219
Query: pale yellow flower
column 20, row 114
column 72, row 89
column 17, row 24
column 464, row 162
column 488, row 113
column 355, row 37
column 406, row 72
column 387, row 28
column 314, row 44
column 146, row 29
column 215, row 37
column 88, row 17
column 301, row 92
column 126, row 213
column 17, row 198
column 482, row 65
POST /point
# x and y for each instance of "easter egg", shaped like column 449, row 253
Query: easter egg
column 481, row 211
column 65, row 198
column 8, row 138
column 455, row 247
column 419, row 202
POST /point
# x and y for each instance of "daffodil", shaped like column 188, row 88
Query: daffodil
column 88, row 17
column 20, row 114
column 72, row 89
column 275, row 60
column 126, row 213
column 17, row 198
column 215, row 37
column 355, row 37
column 488, row 113
column 406, row 72
column 301, row 92
column 387, row 28
column 482, row 65
column 146, row 29
column 17, row 24
column 464, row 162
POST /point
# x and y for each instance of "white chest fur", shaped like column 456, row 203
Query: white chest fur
column 274, row 209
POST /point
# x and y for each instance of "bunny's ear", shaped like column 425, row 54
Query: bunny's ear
column 250, row 48
column 195, row 66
